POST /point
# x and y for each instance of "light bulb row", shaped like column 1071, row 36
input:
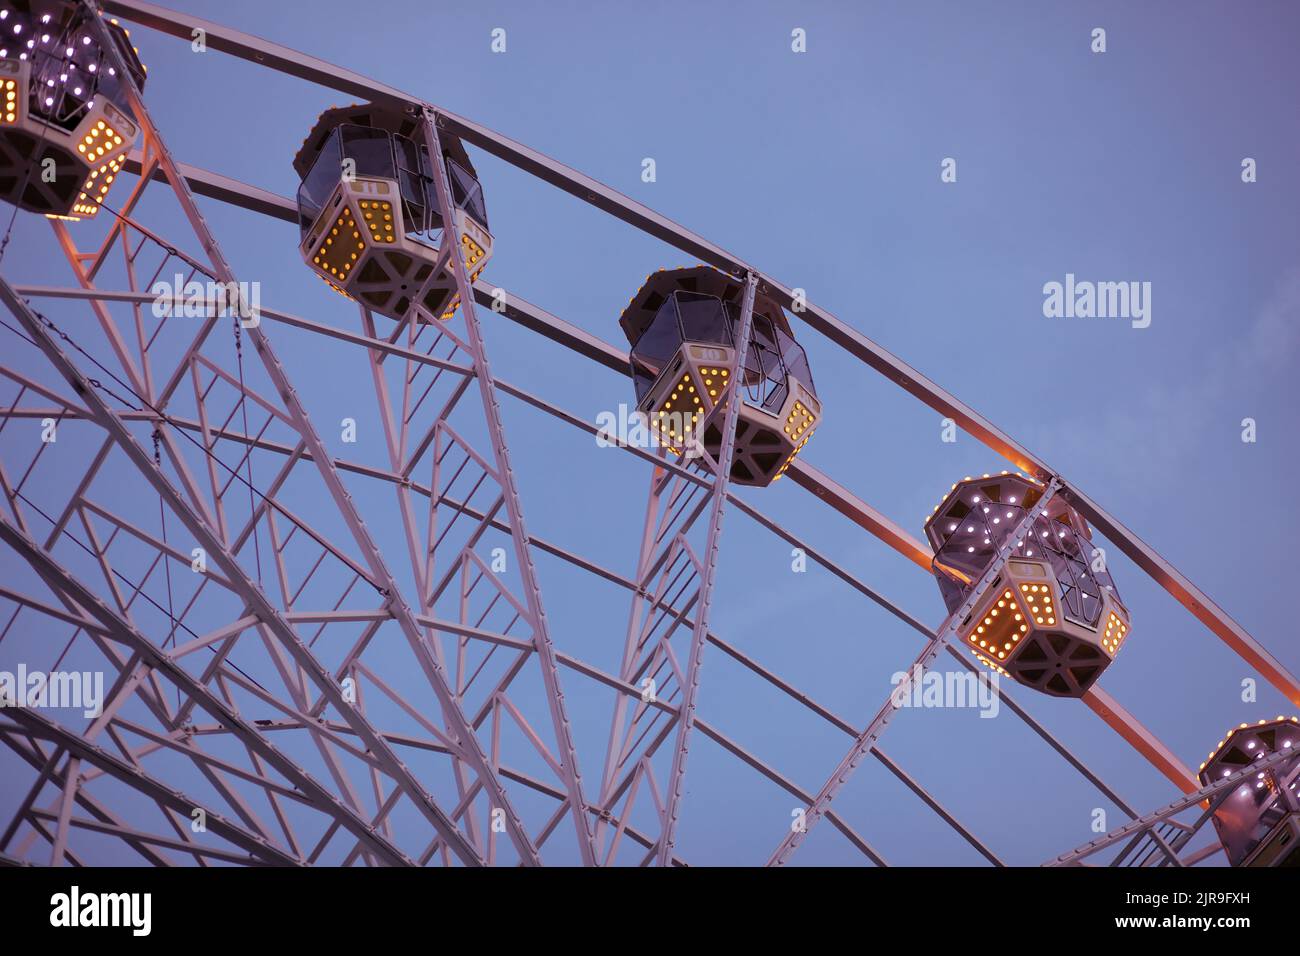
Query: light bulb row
column 473, row 251
column 1114, row 636
column 95, row 188
column 1287, row 744
column 9, row 112
column 1033, row 593
column 335, row 255
column 797, row 448
column 100, row 141
column 799, row 420
column 712, row 377
column 935, row 510
column 379, row 219
column 993, row 664
column 1003, row 627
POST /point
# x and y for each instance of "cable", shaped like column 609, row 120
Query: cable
column 167, row 568
column 170, row 250
column 253, row 491
column 248, row 459
column 135, row 588
column 239, row 361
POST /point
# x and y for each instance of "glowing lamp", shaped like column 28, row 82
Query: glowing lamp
column 65, row 121
column 368, row 211
column 1052, row 619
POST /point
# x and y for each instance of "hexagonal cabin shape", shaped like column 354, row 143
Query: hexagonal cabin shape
column 368, row 211
column 63, row 107
column 1052, row 620
column 1259, row 822
column 682, row 325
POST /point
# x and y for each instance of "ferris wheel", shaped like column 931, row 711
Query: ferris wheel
column 314, row 657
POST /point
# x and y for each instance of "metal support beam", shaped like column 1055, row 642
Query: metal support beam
column 505, row 475
column 247, row 589
column 871, row 734
column 610, row 201
column 1213, row 793
column 81, row 749
column 708, row 575
column 401, row 610
column 157, row 165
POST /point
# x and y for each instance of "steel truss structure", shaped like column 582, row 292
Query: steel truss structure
column 277, row 641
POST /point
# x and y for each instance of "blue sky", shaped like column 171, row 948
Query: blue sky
column 822, row 169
